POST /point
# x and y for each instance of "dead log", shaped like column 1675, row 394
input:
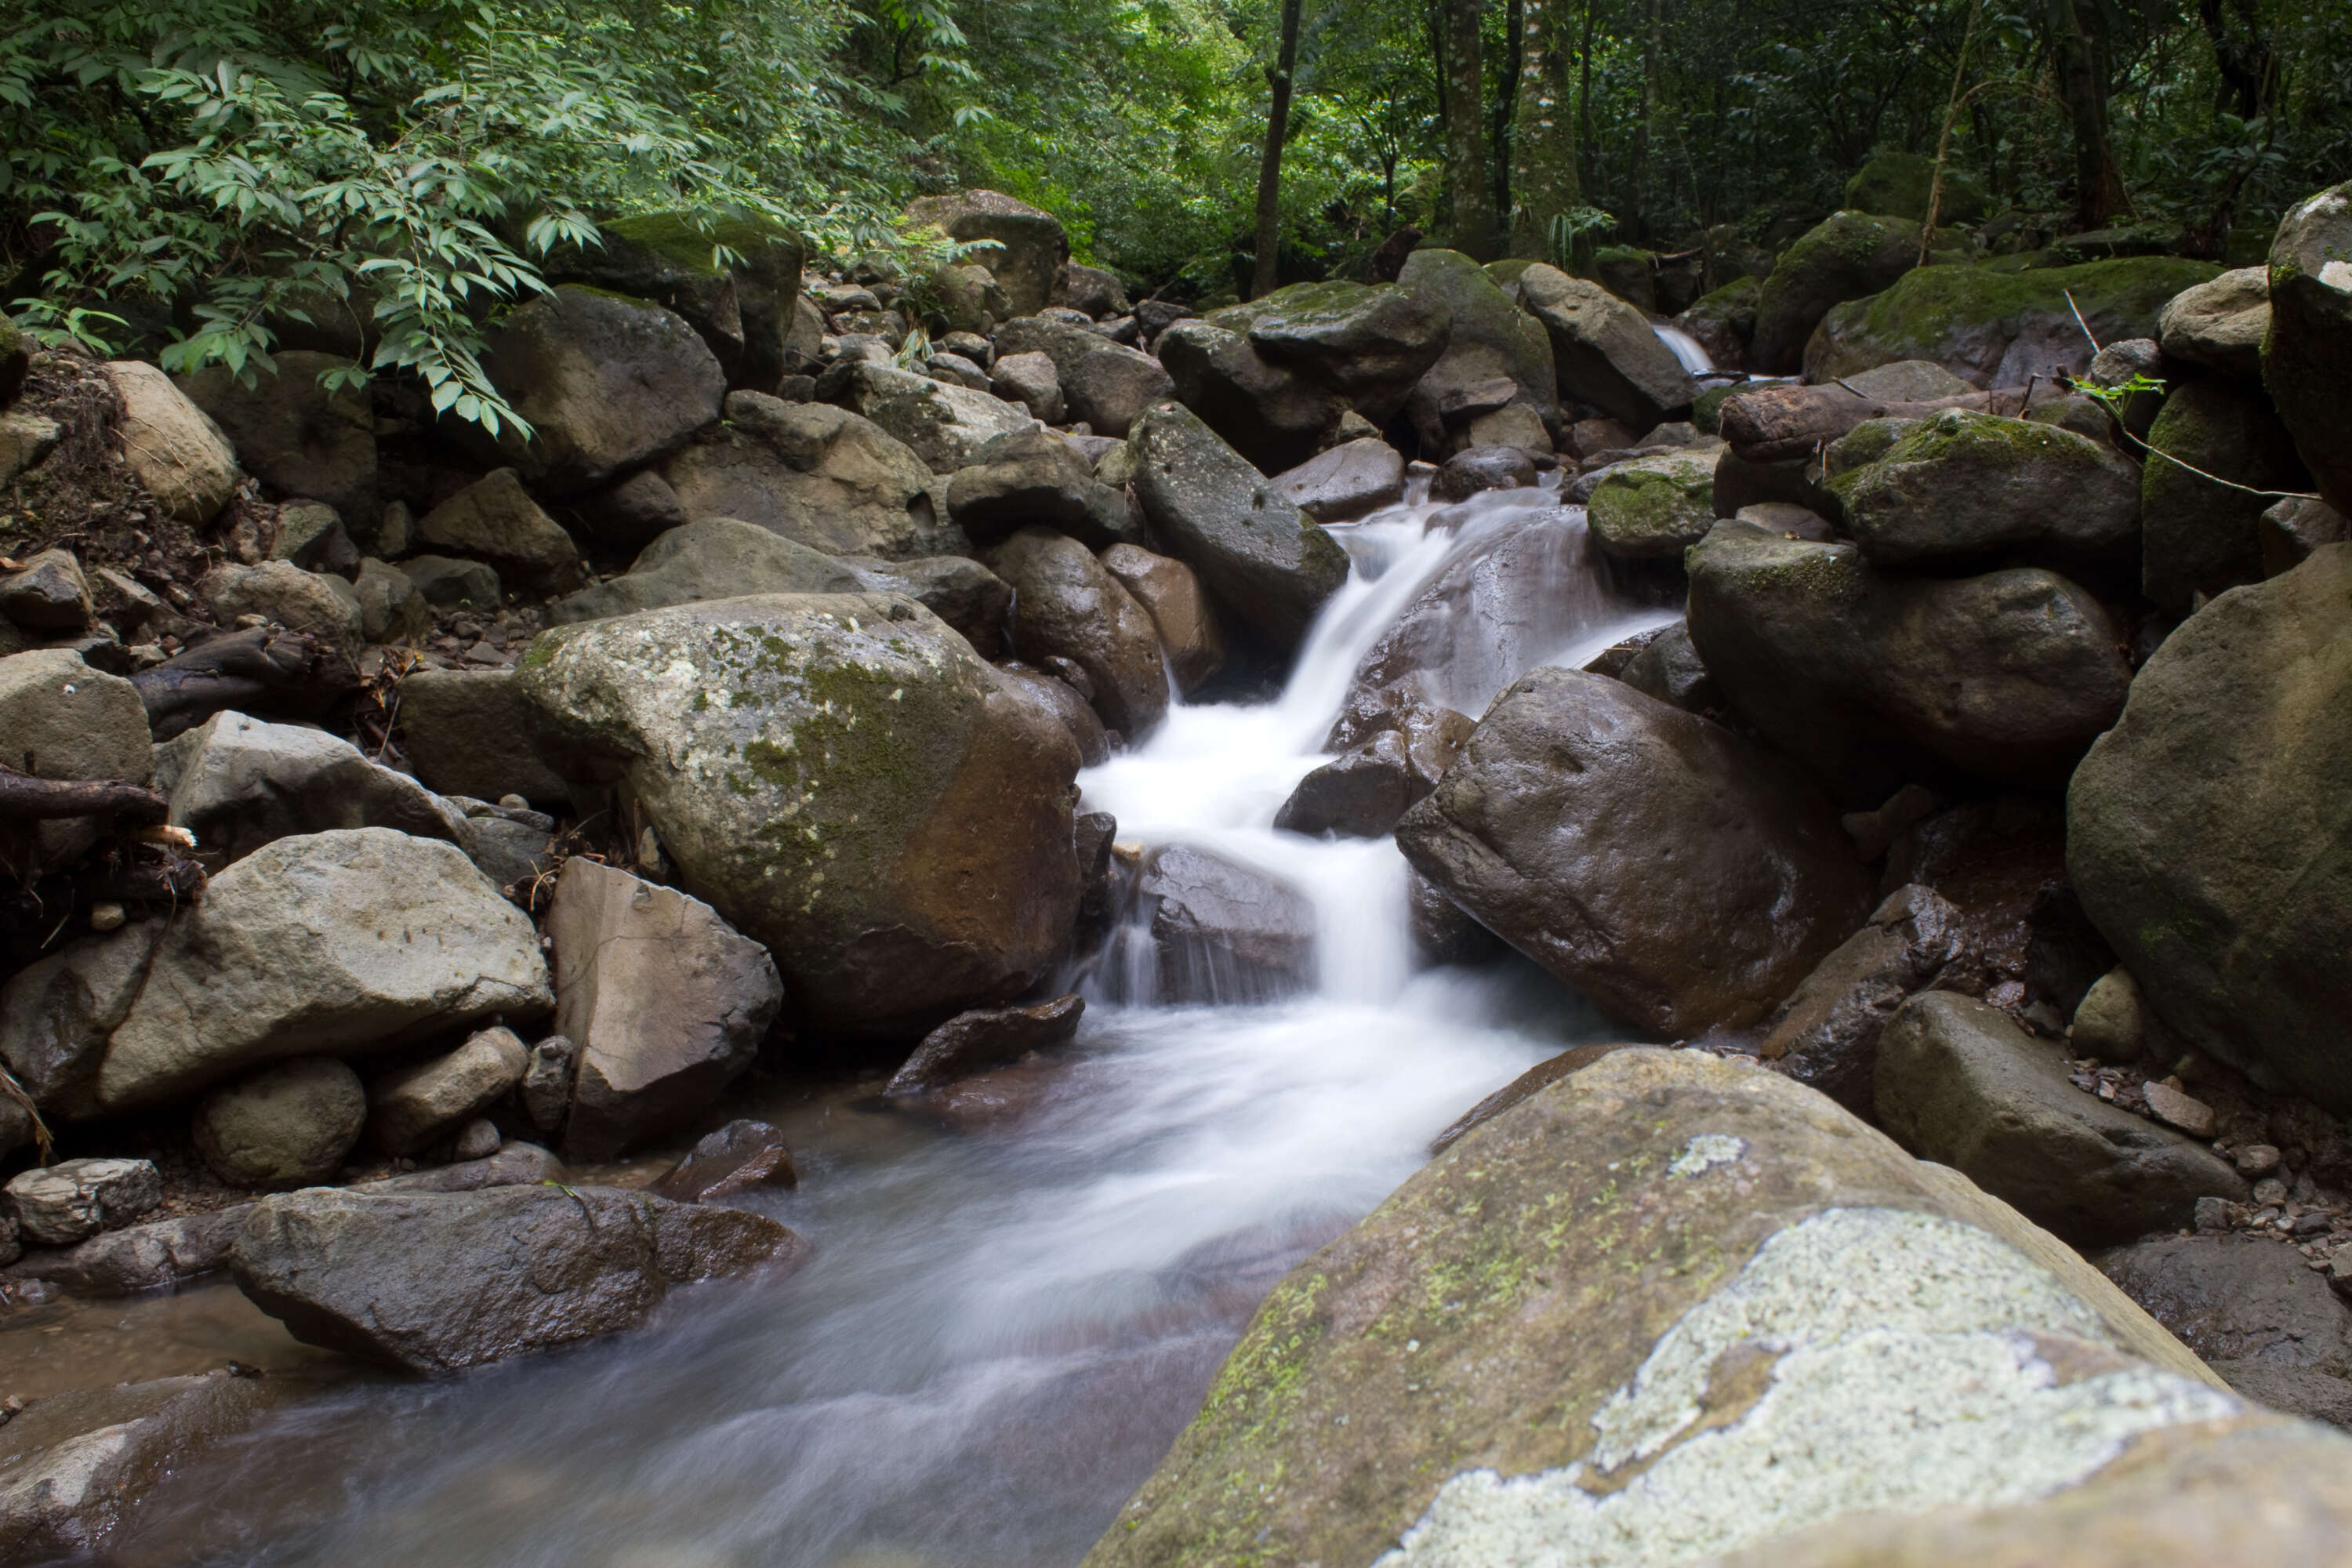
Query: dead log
column 1774, row 424
column 24, row 798
column 264, row 670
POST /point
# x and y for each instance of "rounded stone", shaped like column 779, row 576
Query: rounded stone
column 286, row 1126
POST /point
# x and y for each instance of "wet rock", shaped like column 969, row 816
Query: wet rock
column 607, row 384
column 546, row 1081
column 1603, row 349
column 496, row 518
column 1873, row 679
column 930, row 865
column 284, row 594
column 435, row 1283
column 415, row 1106
column 1476, row 468
column 1670, row 669
column 2311, row 334
column 60, row 719
column 1960, row 1084
column 1652, row 508
column 1066, row 605
column 238, row 784
column 1036, row 478
column 1190, row 639
column 1259, row 556
column 2198, row 537
column 516, row 1165
column 1059, row 701
column 289, row 1125
column 468, row 732
column 1103, row 383
column 1679, row 877
column 1347, row 483
column 1225, row 932
column 71, row 1464
column 139, row 1258
column 2253, row 1311
column 173, row 446
column 819, row 476
column 1963, row 487
column 1359, row 794
column 1390, row 1382
column 57, row 1205
column 1491, row 337
column 1826, row 1033
column 972, row 1042
column 946, row 427
column 1032, row 248
column 301, row 438
column 2219, row 325
column 667, row 1003
column 1369, row 343
column 49, row 594
column 740, row 1157
column 2204, row 831
column 1031, row 381
column 1274, row 416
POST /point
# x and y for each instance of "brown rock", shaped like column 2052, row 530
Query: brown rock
column 984, row 1038
column 1191, row 640
column 2174, row 1109
column 740, row 1157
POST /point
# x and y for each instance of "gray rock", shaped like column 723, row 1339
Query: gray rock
column 1032, row 250
column 57, row 1205
column 607, row 383
column 1960, row 1084
column 1491, row 337
column 957, row 371
column 667, row 1002
column 1093, row 290
column 1104, row 384
column 27, row 439
column 547, row 1082
column 1030, row 380
column 2292, row 529
column 2252, row 1310
column 821, row 476
column 2221, row 325
column 1036, row 478
column 71, row 1464
column 715, row 558
column 468, row 732
column 1653, row 508
column 2204, row 836
column 975, row 1041
column 1604, row 350
column 1369, row 343
column 139, row 1258
column 1347, row 483
column 476, row 1139
column 2111, row 1024
column 435, row 1283
column 1225, row 932
column 1066, row 605
column 1476, row 468
column 1679, row 876
column 413, row 1106
column 1909, row 380
column 49, row 594
column 2198, row 537
column 740, row 1157
column 310, row 535
column 495, row 518
column 238, row 784
column 173, row 446
column 632, row 512
column 1963, row 487
column 510, row 854
column 1260, row 556
column 743, row 311
column 391, row 609
column 289, row 1125
column 516, row 1165
column 1275, row 416
column 1359, row 794
column 285, row 595
column 944, row 425
column 1826, row 1033
column 453, row 584
column 294, row 434
column 2311, row 334
column 1190, row 639
column 1669, row 668
column 60, row 719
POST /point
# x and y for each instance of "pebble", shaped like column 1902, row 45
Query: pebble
column 2270, row 1194
column 2257, row 1159
column 2171, row 1107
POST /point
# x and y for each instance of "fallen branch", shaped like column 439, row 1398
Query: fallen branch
column 1774, row 424
column 263, row 668
column 24, row 798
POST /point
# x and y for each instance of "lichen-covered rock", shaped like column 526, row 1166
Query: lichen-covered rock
column 1679, row 877
column 2311, row 336
column 1848, row 256
column 2197, row 536
column 1603, row 350
column 1700, row 1307
column 1962, row 487
column 607, row 384
column 289, row 1125
column 944, row 425
column 1066, row 605
column 2205, row 831
column 1371, row 343
column 178, row 453
column 1653, row 508
column 1995, row 326
column 819, row 476
column 1491, row 339
column 70, row 1465
column 303, row 439
column 845, row 781
column 1032, row 248
column 238, row 784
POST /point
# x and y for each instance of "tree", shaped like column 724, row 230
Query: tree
column 2079, row 37
column 1544, row 183
column 1466, row 185
column 1269, row 171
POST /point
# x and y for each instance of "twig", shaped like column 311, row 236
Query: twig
column 42, row 1145
column 2231, row 484
column 2078, row 319
column 2026, row 402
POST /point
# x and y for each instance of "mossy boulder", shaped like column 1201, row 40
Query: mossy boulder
column 1030, row 250
column 1670, row 1307
column 1963, row 486
column 1491, row 339
column 1369, row 342
column 845, row 781
column 1723, row 320
column 741, row 308
column 1627, row 272
column 2205, row 833
column 1900, row 184
column 1998, row 327
column 1653, row 508
column 1847, row 256
column 2198, row 536
column 2310, row 342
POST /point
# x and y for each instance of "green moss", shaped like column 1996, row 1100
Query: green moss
column 687, row 238
column 2118, row 300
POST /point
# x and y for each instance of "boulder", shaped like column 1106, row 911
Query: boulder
column 1036, row 478
column 1848, row 256
column 289, row 1125
column 1653, row 508
column 2204, row 830
column 1257, row 555
column 1032, row 250
column 1871, row 678
column 452, row 585
column 1721, row 322
column 238, row 784
column 71, row 1465
column 1275, row 417
column 740, row 1157
column 2219, row 325
column 1476, row 468
column 49, row 593
column 1700, row 1308
column 1191, row 640
column 1359, row 794
column 744, row 312
column 927, row 864
column 819, row 476
column 1372, row 344
column 1604, row 351
column 415, row 1106
column 2198, row 537
column 1491, row 337
column 2253, row 1311
column 391, row 609
column 57, row 1205
column 1826, row 1033
column 139, row 1258
column 965, row 298
column 1996, row 326
column 2292, row 529
column 1031, row 381
column 494, row 518
column 1224, row 933
column 173, row 446
column 1670, row 669
column 2310, row 338
column 1093, row 290
column 667, row 1004
column 27, row 439
column 468, row 732
column 607, row 384
column 1060, row 702
column 986, row 1037
column 1908, row 381
column 944, row 425
column 1901, row 185
column 61, row 720
column 516, row 1165
column 1679, row 877
column 1066, row 605
column 284, row 594
column 1106, row 385
column 1959, row 1083
column 295, row 433
column 433, row 1283
column 16, row 361
column 1345, row 483
column 1961, row 489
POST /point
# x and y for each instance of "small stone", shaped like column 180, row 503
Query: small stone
column 2310, row 1224
column 2257, row 1159
column 2168, row 1105
column 411, row 1108
column 60, row 1205
column 738, row 1158
column 547, row 1082
column 2213, row 1214
column 477, row 1139
column 105, row 917
column 2270, row 1194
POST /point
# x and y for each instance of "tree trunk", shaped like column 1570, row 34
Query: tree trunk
column 1269, row 170
column 1584, row 136
column 1544, row 183
column 1465, row 142
column 1503, row 125
column 2099, row 193
column 1637, row 207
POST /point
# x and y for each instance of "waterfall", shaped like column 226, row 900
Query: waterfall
column 1694, row 357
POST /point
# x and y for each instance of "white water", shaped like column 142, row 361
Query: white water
column 1006, row 1325
column 1694, row 357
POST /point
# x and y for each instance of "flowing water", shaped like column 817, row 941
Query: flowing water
column 1007, row 1321
column 1694, row 357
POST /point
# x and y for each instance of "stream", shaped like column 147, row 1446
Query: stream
column 1007, row 1320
